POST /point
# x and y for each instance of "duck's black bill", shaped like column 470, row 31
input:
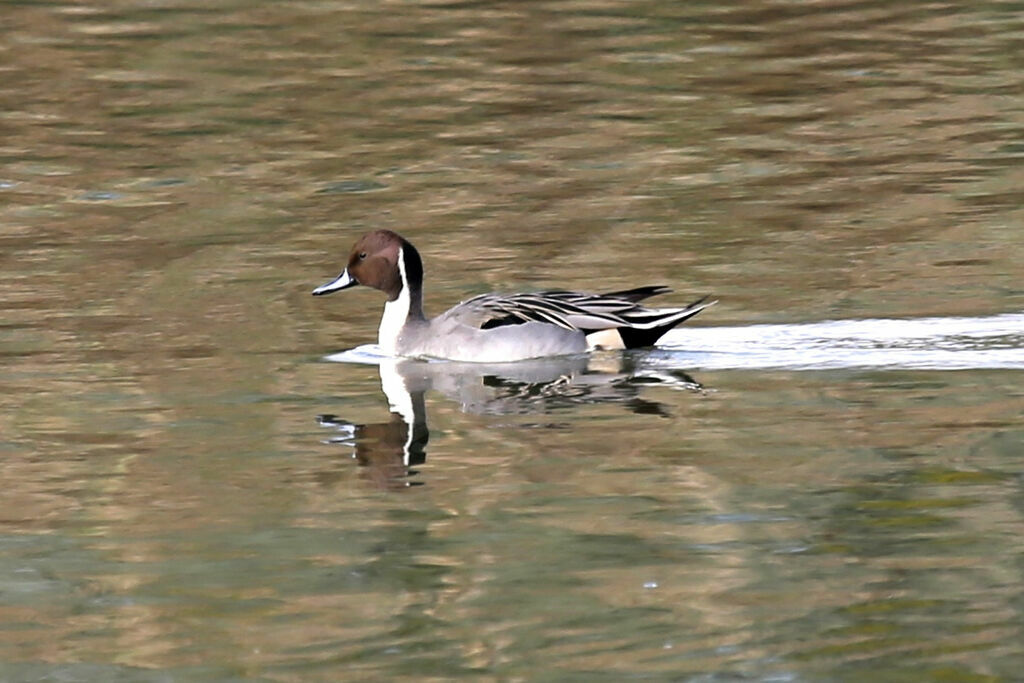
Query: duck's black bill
column 343, row 281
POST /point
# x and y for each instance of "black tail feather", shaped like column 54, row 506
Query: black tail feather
column 633, row 338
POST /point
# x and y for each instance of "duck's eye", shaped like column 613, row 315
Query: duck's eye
column 362, row 255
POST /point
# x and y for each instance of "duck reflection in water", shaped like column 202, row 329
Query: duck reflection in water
column 390, row 451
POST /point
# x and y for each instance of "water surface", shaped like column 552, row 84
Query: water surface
column 817, row 479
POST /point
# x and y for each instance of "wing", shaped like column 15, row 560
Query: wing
column 570, row 310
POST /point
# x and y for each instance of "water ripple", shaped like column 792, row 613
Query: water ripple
column 923, row 343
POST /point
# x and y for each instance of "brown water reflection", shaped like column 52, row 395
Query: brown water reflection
column 541, row 388
column 175, row 177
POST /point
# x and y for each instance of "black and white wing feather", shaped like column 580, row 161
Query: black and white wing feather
column 585, row 312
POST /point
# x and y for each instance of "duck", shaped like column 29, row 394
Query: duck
column 498, row 328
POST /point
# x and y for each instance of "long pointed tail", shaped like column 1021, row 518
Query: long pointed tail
column 650, row 332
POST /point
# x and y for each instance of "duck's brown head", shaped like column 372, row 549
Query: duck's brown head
column 380, row 259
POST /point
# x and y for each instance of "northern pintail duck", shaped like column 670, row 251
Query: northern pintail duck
column 494, row 328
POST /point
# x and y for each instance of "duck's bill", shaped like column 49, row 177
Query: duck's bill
column 343, row 281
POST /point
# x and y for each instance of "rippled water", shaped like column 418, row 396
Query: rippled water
column 819, row 478
column 929, row 343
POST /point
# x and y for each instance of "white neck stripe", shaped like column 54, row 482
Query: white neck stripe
column 396, row 313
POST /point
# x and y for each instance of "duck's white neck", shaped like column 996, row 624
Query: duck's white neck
column 396, row 313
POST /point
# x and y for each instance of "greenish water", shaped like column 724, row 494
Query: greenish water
column 819, row 478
